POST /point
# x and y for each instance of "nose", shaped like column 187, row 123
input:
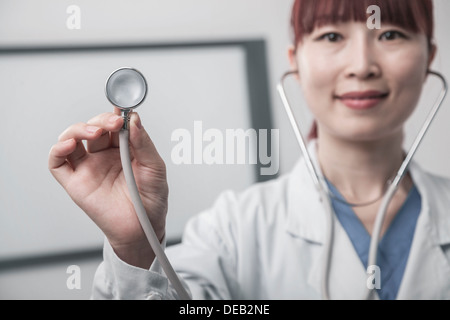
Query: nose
column 362, row 60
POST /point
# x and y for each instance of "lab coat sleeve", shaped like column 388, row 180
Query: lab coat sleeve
column 117, row 280
column 205, row 262
column 207, row 257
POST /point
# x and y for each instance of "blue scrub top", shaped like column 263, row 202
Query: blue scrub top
column 394, row 246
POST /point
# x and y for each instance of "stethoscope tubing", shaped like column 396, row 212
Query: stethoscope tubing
column 144, row 220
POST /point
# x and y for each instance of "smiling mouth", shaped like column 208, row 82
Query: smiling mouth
column 366, row 98
column 364, row 95
column 362, row 100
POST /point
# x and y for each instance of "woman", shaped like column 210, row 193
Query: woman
column 361, row 85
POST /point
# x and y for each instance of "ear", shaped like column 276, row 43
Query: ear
column 432, row 55
column 292, row 56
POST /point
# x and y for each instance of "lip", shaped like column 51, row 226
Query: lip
column 362, row 100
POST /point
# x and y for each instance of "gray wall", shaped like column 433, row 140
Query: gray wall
column 43, row 22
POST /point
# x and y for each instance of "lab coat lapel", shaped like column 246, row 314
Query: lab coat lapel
column 347, row 278
column 306, row 219
column 427, row 263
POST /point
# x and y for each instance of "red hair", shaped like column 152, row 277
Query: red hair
column 412, row 15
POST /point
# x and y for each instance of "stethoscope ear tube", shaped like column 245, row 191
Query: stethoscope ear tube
column 320, row 186
column 323, row 191
column 298, row 134
column 373, row 249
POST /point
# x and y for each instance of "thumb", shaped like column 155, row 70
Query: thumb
column 144, row 151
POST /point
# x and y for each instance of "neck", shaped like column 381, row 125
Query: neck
column 360, row 170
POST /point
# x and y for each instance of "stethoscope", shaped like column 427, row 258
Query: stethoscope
column 325, row 195
column 126, row 88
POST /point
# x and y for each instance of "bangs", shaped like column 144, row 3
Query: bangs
column 412, row 15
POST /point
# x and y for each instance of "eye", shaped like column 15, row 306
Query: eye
column 330, row 37
column 392, row 35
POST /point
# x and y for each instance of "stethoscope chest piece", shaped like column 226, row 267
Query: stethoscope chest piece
column 126, row 88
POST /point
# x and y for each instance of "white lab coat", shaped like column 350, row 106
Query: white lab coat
column 267, row 243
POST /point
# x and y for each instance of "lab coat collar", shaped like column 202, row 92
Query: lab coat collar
column 307, row 220
column 306, row 217
column 435, row 202
column 427, row 263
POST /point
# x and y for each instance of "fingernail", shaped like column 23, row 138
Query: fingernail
column 92, row 129
column 67, row 142
column 137, row 121
column 114, row 118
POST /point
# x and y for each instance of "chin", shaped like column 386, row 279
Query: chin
column 367, row 134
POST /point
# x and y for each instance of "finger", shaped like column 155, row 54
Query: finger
column 80, row 131
column 109, row 122
column 142, row 145
column 57, row 160
column 77, row 155
column 115, row 135
column 102, row 143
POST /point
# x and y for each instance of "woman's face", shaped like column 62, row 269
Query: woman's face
column 361, row 84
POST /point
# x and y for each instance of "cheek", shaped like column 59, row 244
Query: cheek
column 407, row 75
column 315, row 70
column 317, row 81
column 410, row 72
